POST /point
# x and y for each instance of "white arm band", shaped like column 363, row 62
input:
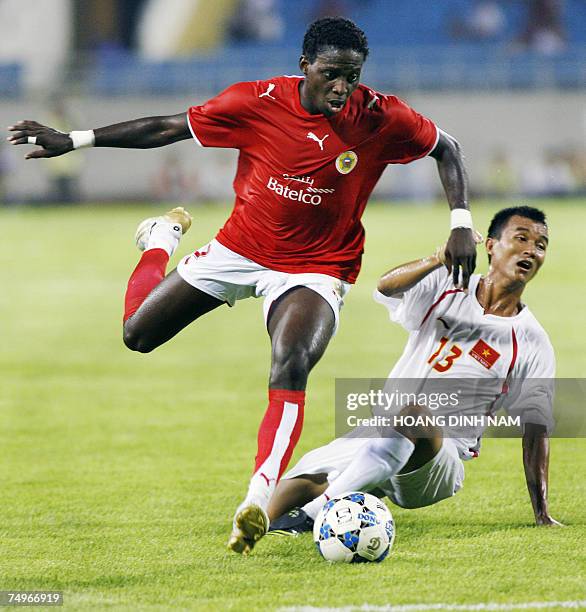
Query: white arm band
column 460, row 217
column 82, row 139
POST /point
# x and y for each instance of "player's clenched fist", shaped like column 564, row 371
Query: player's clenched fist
column 440, row 252
column 53, row 142
column 460, row 252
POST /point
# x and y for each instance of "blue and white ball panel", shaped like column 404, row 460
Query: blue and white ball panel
column 354, row 528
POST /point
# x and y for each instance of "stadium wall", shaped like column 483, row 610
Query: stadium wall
column 524, row 126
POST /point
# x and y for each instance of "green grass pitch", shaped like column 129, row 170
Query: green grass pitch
column 120, row 472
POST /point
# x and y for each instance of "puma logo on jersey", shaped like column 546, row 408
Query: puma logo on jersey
column 443, row 323
column 320, row 141
column 267, row 93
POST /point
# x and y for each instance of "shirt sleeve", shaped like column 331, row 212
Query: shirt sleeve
column 531, row 391
column 407, row 135
column 410, row 309
column 223, row 121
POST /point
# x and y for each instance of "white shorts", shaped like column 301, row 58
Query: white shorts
column 438, row 479
column 228, row 276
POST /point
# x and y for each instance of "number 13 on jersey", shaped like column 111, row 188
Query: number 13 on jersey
column 444, row 364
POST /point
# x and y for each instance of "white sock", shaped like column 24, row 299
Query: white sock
column 259, row 494
column 260, row 491
column 164, row 235
column 374, row 463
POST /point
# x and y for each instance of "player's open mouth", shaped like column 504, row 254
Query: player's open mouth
column 525, row 265
column 336, row 105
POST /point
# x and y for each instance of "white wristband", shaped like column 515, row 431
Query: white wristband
column 81, row 139
column 460, row 217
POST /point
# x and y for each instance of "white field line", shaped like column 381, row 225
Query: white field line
column 529, row 605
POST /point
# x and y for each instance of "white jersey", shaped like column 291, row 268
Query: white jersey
column 450, row 336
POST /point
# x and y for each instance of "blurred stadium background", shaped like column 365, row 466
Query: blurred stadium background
column 506, row 77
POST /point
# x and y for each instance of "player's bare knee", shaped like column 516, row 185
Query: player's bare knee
column 415, row 410
column 135, row 341
column 290, row 369
column 416, row 423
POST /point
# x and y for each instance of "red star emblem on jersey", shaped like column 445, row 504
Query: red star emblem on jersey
column 484, row 354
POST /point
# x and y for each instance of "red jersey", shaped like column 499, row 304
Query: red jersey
column 303, row 180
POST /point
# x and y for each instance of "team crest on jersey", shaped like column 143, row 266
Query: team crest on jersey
column 484, row 354
column 346, row 162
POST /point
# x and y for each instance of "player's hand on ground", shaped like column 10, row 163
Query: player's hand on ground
column 460, row 254
column 52, row 142
column 548, row 521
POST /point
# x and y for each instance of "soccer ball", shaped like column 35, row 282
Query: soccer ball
column 354, row 528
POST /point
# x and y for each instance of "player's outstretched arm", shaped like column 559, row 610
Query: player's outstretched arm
column 460, row 249
column 145, row 133
column 536, row 463
column 402, row 278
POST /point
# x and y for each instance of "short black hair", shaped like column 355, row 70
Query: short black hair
column 335, row 32
column 500, row 220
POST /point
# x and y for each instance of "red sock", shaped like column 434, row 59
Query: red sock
column 149, row 272
column 279, row 432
